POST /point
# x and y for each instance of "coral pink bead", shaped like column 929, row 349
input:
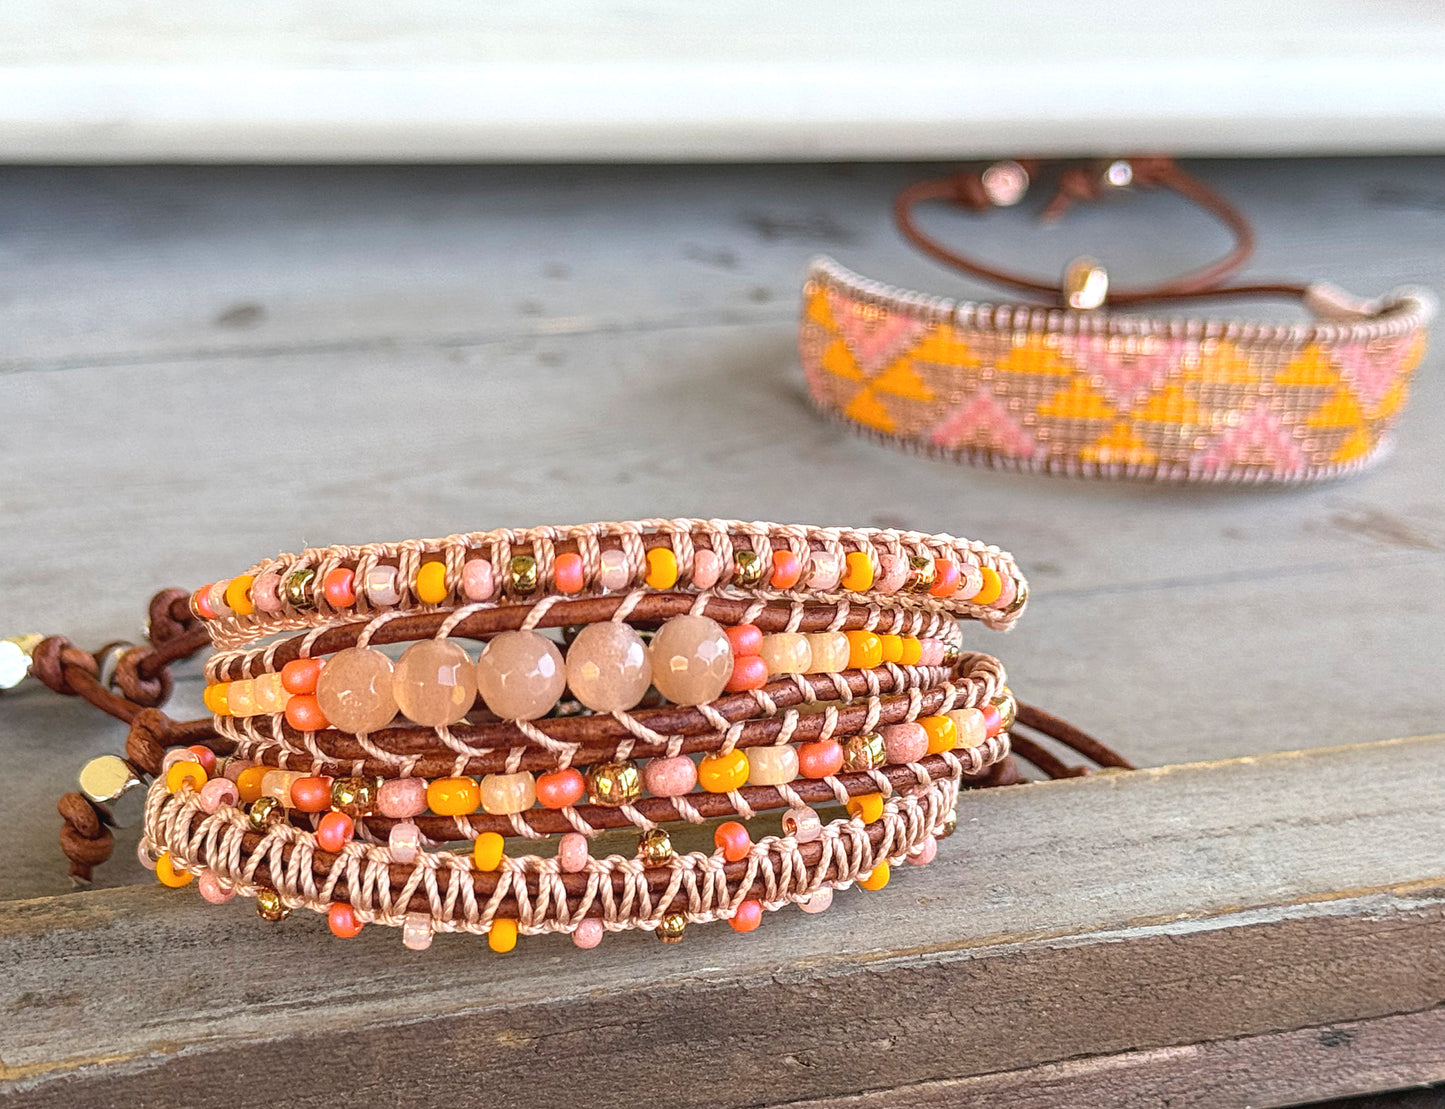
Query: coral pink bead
column 202, row 601
column 341, row 919
column 924, row 853
column 567, row 571
column 404, row 841
column 612, row 571
column 819, row 902
column 588, row 933
column 401, row 798
column 893, row 573
column 205, row 756
column 825, row 571
column 217, row 792
column 335, row 831
column 970, row 581
column 416, row 932
column 749, row 672
column 732, row 839
column 992, row 721
column 706, row 568
column 904, row 743
column 559, row 788
column 670, row 777
column 311, row 793
column 210, row 887
column 478, row 580
column 572, row 852
column 266, row 593
column 747, row 916
column 946, row 578
column 746, row 639
column 339, row 587
column 299, row 675
column 930, row 652
column 1008, row 592
column 787, row 569
column 820, row 758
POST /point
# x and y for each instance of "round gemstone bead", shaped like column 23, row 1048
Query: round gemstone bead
column 559, row 788
column 266, row 592
column 381, row 586
column 774, row 765
column 904, row 743
column 588, row 933
column 218, row 792
column 567, row 571
column 607, row 667
column 404, row 841
column 453, row 796
column 478, row 580
column 354, row 690
column 830, row 651
column 435, row 683
column 825, row 570
column 786, row 653
column 300, row 674
column 209, row 886
column 893, row 573
column 819, row 902
column 338, row 586
column 706, row 568
column 613, row 574
column 802, row 824
column 521, row 675
column 691, row 660
column 504, row 794
column 401, row 798
column 670, row 777
column 723, row 773
column 416, row 932
column 572, row 852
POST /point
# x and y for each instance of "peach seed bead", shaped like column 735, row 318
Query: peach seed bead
column 829, row 651
column 504, row 794
column 435, row 683
column 970, row 727
column 430, row 586
column 876, row 878
column 502, row 935
column 169, row 874
column 479, row 581
column 354, row 690
column 241, row 699
column 269, row 694
column 819, row 902
column 404, row 841
column 453, row 796
column 277, row 784
column 775, row 765
column 607, row 667
column 568, row 572
column 786, row 653
column 588, row 933
column 802, row 824
column 661, row 568
column 865, row 650
column 723, row 773
column 487, row 851
column 859, row 573
column 706, row 568
column 904, row 743
column 612, row 571
column 416, row 932
column 894, row 572
column 218, row 792
column 825, row 570
column 521, row 675
column 691, row 659
column 217, row 698
column 572, row 852
column 401, row 798
column 670, row 777
column 185, row 773
column 924, row 853
column 266, row 593
column 930, row 651
column 942, row 733
column 970, row 581
column 238, row 595
column 209, row 886
column 381, row 588
column 992, row 587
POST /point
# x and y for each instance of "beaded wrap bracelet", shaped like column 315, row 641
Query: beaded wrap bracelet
column 1076, row 389
column 808, row 667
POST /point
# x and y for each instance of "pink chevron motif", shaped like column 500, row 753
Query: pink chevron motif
column 981, row 421
column 874, row 344
column 1258, row 440
column 1372, row 368
column 1128, row 377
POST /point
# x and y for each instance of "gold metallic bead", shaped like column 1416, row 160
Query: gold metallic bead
column 264, row 812
column 111, row 781
column 522, row 574
column 269, row 906
column 355, row 795
column 1021, row 598
column 922, row 573
column 950, row 824
column 671, row 927
column 1008, row 709
column 863, row 752
column 296, row 588
column 747, row 569
column 1086, row 284
column 951, row 655
column 655, row 847
column 614, row 783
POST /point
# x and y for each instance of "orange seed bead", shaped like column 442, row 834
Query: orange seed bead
column 304, row 714
column 248, row 782
column 661, row 568
column 912, row 650
column 787, row 569
column 453, row 796
column 557, row 789
column 567, row 570
column 487, row 851
column 875, row 879
column 341, row 919
column 869, row 806
column 723, row 773
column 217, row 698
column 892, row 647
column 431, row 583
column 238, row 595
column 311, row 794
column 299, row 675
column 186, row 771
column 942, row 733
column 502, row 936
column 992, row 587
column 732, row 839
column 865, row 650
column 858, row 575
column 169, row 874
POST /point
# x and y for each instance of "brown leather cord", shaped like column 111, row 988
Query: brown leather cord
column 1077, row 183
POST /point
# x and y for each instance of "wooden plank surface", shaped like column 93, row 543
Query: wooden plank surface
column 104, row 80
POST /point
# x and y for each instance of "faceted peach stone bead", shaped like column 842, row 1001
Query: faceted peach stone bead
column 354, row 690
column 692, row 659
column 435, row 683
column 772, row 766
column 504, row 794
column 520, row 675
column 829, row 652
column 972, row 728
column 607, row 667
column 786, row 653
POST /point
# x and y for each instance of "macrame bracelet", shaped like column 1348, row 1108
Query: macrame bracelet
column 1075, row 389
column 333, row 775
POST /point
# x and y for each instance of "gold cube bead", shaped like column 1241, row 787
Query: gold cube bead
column 269, row 906
column 614, row 783
column 671, row 927
column 922, row 573
column 522, row 574
column 264, row 812
column 296, row 588
column 655, row 847
column 864, row 752
column 747, row 569
column 355, row 795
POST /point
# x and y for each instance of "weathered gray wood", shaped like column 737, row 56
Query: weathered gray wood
column 1082, row 918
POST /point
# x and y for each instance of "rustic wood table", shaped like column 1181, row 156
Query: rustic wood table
column 199, row 367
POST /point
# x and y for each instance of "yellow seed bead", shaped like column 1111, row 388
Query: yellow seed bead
column 869, row 806
column 218, row 698
column 453, row 796
column 912, row 650
column 661, row 568
column 865, row 650
column 892, row 647
column 992, row 587
column 723, row 773
column 248, row 782
column 182, row 772
column 876, row 879
column 431, row 583
column 502, row 936
column 238, row 595
column 942, row 733
column 859, row 573
column 169, row 874
column 487, row 851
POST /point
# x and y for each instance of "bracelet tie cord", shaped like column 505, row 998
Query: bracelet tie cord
column 551, row 685
column 1073, row 388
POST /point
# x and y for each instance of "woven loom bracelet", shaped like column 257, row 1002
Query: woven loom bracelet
column 1077, row 389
